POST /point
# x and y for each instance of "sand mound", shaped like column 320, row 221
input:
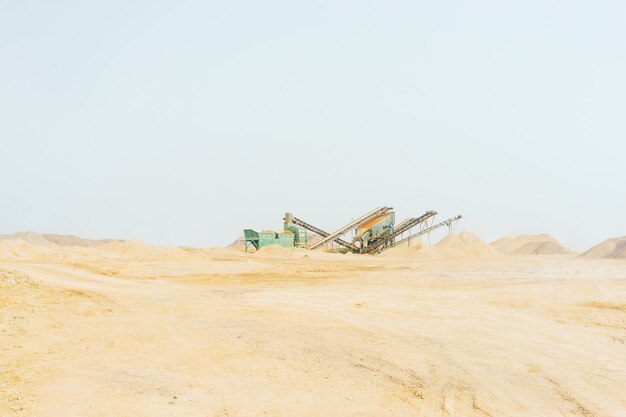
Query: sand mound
column 542, row 244
column 462, row 245
column 29, row 237
column 614, row 248
column 54, row 240
column 237, row 243
column 71, row 240
column 15, row 249
column 466, row 245
column 543, row 248
column 402, row 251
column 275, row 251
column 140, row 251
column 19, row 250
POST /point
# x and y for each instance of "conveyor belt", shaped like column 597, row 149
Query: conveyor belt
column 403, row 227
column 353, row 224
column 402, row 223
column 421, row 232
column 322, row 233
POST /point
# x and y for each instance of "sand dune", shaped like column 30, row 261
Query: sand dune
column 614, row 248
column 543, row 244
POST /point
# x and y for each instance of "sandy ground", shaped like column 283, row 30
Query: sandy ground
column 229, row 334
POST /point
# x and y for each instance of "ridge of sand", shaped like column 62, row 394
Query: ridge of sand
column 20, row 250
column 12, row 249
column 48, row 239
column 17, row 250
column 275, row 251
column 541, row 244
column 72, row 240
column 612, row 248
column 141, row 251
column 29, row 237
column 282, row 252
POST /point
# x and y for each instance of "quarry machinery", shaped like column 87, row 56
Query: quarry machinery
column 448, row 222
column 374, row 232
column 373, row 217
column 255, row 239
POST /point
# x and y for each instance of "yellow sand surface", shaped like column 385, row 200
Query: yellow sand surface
column 129, row 329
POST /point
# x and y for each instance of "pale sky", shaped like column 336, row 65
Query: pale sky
column 181, row 123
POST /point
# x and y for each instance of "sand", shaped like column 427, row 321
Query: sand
column 542, row 244
column 71, row 240
column 54, row 239
column 28, row 237
column 138, row 330
column 403, row 251
column 614, row 248
column 454, row 246
column 19, row 250
column 140, row 251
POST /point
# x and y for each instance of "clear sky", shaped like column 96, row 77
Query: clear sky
column 182, row 123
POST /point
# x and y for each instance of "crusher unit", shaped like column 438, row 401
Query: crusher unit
column 373, row 232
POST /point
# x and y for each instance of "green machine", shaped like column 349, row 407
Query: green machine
column 267, row 238
column 299, row 232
